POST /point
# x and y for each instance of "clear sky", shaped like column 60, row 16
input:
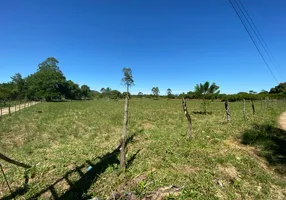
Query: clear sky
column 170, row 43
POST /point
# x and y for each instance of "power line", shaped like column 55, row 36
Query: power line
column 259, row 37
column 251, row 37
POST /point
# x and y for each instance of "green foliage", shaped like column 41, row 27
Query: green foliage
column 156, row 91
column 48, row 82
column 281, row 88
column 115, row 94
column 72, row 90
column 127, row 79
column 169, row 94
column 140, row 94
column 85, row 91
column 19, row 86
column 207, row 91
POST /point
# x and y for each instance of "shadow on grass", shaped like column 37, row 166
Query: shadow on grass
column 19, row 191
column 78, row 188
column 271, row 142
column 202, row 113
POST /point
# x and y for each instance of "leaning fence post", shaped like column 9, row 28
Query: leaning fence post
column 227, row 110
column 253, row 108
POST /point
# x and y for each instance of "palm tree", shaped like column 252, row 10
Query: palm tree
column 206, row 91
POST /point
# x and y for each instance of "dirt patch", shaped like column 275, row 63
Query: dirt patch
column 282, row 121
column 228, row 173
column 147, row 126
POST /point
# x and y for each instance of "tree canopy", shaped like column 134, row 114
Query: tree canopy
column 280, row 88
column 127, row 79
column 48, row 83
column 206, row 89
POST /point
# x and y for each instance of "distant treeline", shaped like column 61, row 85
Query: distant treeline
column 47, row 83
column 236, row 97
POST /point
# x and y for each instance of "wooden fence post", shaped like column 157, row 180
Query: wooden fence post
column 188, row 117
column 9, row 109
column 227, row 110
column 253, row 107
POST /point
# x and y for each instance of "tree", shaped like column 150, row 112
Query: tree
column 169, row 93
column 252, row 92
column 155, row 91
column 281, row 88
column 85, row 91
column 19, row 86
column 140, row 94
column 206, row 91
column 128, row 81
column 263, row 92
column 102, row 90
column 6, row 91
column 72, row 90
column 48, row 82
column 115, row 94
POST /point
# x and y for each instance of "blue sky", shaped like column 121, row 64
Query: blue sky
column 170, row 44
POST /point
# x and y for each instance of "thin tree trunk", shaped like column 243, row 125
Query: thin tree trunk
column 227, row 111
column 15, row 107
column 124, row 133
column 9, row 110
column 15, row 162
column 244, row 115
column 1, row 113
column 253, row 108
column 188, row 117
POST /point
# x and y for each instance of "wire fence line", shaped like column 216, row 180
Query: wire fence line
column 8, row 108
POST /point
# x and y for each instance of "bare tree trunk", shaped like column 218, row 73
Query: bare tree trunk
column 227, row 111
column 124, row 133
column 253, row 108
column 184, row 103
column 244, row 116
column 15, row 107
column 15, row 162
column 1, row 113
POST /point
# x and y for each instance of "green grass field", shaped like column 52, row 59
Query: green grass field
column 243, row 159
